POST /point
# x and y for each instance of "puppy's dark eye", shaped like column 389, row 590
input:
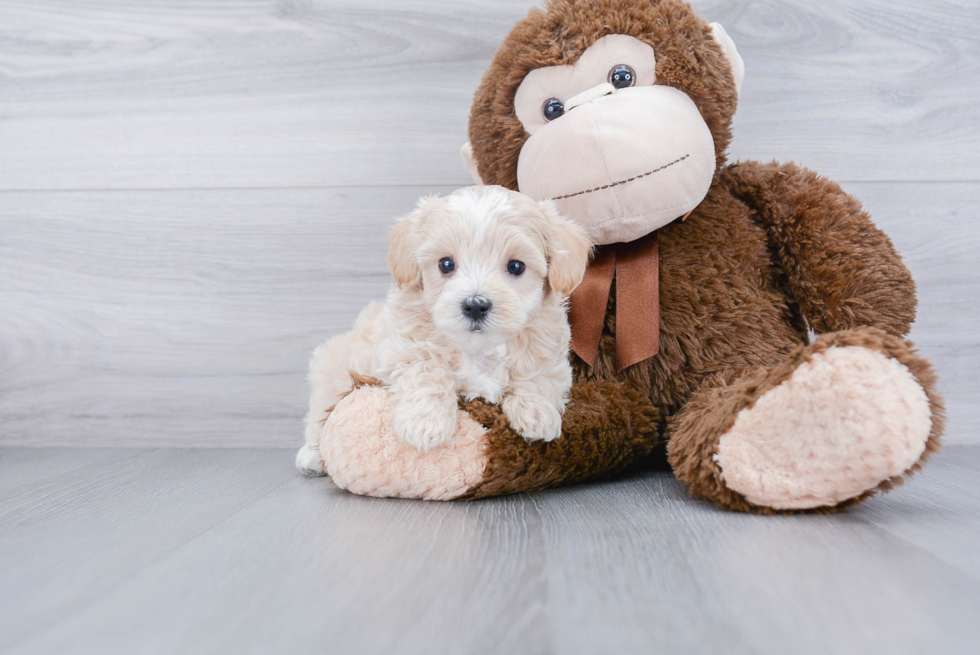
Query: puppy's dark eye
column 515, row 267
column 622, row 76
column 447, row 265
column 553, row 108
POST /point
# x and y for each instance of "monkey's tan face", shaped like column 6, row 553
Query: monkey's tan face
column 617, row 152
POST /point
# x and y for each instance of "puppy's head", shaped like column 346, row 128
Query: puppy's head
column 484, row 259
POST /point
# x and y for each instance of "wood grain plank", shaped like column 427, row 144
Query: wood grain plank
column 934, row 227
column 633, row 566
column 858, row 91
column 938, row 512
column 314, row 568
column 74, row 536
column 24, row 469
column 190, row 314
column 292, row 93
column 186, row 318
column 642, row 567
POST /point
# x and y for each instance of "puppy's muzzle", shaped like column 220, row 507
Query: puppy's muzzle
column 476, row 308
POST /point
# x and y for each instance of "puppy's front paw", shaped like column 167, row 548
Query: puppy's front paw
column 425, row 423
column 535, row 417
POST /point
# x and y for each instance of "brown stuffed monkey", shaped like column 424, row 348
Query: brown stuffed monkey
column 691, row 328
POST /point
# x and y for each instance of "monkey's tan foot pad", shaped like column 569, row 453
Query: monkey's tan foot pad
column 363, row 455
column 843, row 422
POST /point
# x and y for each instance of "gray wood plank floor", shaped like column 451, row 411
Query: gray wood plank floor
column 219, row 551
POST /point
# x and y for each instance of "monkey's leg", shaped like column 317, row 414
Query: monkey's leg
column 842, row 417
column 607, row 426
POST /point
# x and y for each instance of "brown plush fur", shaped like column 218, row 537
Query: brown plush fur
column 696, row 430
column 614, row 426
column 771, row 251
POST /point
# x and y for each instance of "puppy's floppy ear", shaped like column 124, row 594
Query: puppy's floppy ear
column 401, row 253
column 569, row 250
column 405, row 242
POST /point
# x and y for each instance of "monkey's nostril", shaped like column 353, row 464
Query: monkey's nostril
column 477, row 307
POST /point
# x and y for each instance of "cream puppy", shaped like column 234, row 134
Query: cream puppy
column 478, row 309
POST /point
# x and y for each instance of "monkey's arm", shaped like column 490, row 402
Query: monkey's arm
column 843, row 271
column 607, row 427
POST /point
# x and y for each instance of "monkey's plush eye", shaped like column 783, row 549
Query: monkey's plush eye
column 515, row 267
column 447, row 265
column 622, row 76
column 553, row 108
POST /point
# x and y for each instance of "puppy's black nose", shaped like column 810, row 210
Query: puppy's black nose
column 477, row 307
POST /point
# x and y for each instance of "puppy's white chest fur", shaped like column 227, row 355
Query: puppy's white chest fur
column 483, row 374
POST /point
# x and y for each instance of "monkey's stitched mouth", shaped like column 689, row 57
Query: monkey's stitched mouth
column 612, row 184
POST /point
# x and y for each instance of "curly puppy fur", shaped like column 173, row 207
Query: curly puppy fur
column 478, row 329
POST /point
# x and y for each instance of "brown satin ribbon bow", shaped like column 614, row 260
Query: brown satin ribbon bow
column 636, row 269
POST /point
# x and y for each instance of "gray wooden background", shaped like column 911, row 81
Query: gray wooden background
column 194, row 193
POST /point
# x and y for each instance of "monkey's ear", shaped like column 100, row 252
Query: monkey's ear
column 401, row 253
column 569, row 250
column 470, row 162
column 731, row 54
